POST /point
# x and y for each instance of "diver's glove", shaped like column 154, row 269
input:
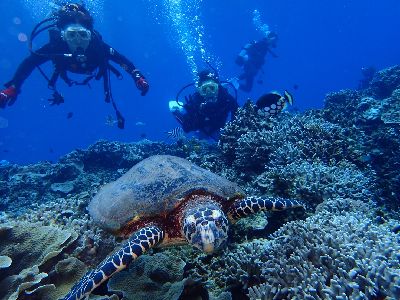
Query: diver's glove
column 141, row 82
column 8, row 96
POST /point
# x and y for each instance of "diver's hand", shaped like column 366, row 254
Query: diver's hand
column 141, row 82
column 57, row 99
column 142, row 85
column 8, row 96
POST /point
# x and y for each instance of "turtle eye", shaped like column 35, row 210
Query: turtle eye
column 189, row 227
column 221, row 223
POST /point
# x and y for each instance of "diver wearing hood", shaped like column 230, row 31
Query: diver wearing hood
column 74, row 47
column 208, row 108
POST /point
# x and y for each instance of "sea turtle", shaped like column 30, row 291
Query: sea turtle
column 166, row 200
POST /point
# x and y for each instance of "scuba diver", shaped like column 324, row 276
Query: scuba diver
column 368, row 74
column 208, row 108
column 75, row 47
column 252, row 57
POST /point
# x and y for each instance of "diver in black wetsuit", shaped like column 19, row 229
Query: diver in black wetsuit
column 76, row 47
column 208, row 108
column 252, row 58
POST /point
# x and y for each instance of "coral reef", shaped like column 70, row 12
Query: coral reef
column 33, row 250
column 65, row 274
column 327, row 256
column 331, row 256
column 342, row 161
column 151, row 277
column 376, row 116
column 77, row 172
column 384, row 82
column 316, row 181
column 286, row 139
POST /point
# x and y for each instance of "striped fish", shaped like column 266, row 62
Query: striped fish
column 176, row 133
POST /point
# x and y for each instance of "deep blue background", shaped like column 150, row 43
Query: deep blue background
column 322, row 47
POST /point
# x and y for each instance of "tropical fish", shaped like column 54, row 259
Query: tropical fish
column 273, row 103
column 70, row 115
column 139, row 123
column 176, row 133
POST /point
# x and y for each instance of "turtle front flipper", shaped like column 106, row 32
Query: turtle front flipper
column 141, row 241
column 250, row 205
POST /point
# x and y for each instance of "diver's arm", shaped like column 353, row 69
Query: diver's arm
column 129, row 67
column 28, row 65
column 120, row 59
column 190, row 120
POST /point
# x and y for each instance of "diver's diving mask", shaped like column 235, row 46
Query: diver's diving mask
column 208, row 89
column 77, row 37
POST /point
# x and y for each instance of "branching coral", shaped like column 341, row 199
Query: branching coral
column 330, row 256
column 326, row 256
column 315, row 181
column 286, row 139
column 246, row 119
column 375, row 115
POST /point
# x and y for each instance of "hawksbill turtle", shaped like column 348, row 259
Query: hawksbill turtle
column 163, row 201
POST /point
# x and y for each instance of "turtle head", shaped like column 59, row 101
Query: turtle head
column 206, row 227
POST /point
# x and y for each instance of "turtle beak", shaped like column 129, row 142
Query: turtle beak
column 210, row 238
column 207, row 240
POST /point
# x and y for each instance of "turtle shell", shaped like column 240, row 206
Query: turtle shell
column 153, row 187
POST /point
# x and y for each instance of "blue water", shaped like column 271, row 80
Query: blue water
column 322, row 47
